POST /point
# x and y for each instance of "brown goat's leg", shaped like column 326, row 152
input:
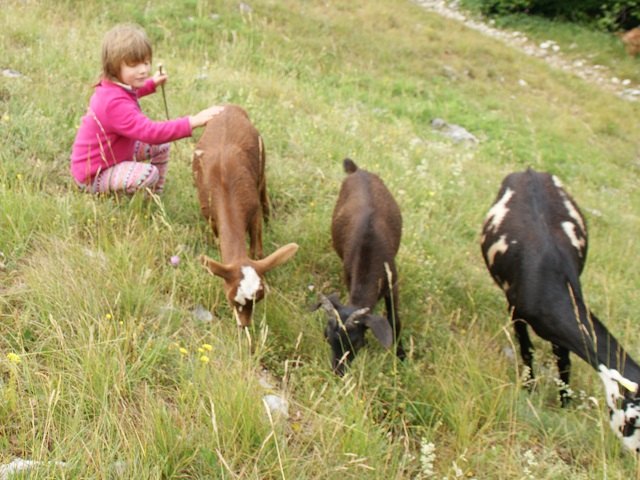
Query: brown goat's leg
column 214, row 227
column 256, row 249
column 264, row 202
column 264, row 196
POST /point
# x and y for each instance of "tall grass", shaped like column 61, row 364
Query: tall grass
column 116, row 376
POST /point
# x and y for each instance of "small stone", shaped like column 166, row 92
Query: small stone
column 11, row 73
column 201, row 314
column 277, row 405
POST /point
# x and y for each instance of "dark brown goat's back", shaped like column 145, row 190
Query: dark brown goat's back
column 364, row 197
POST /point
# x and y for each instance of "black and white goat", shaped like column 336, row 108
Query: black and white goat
column 534, row 242
column 365, row 229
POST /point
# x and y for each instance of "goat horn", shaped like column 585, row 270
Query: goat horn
column 357, row 314
column 331, row 310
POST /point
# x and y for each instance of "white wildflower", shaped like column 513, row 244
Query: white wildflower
column 427, row 456
column 530, row 462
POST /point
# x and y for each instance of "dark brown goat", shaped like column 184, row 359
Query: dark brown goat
column 229, row 173
column 366, row 228
column 534, row 242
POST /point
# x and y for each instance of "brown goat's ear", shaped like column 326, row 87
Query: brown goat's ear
column 276, row 258
column 216, row 268
column 380, row 328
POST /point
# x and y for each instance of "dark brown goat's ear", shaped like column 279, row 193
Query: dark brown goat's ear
column 216, row 268
column 380, row 328
column 334, row 299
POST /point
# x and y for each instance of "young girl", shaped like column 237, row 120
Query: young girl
column 115, row 135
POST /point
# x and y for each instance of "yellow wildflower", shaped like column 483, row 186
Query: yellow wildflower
column 183, row 351
column 204, row 359
column 13, row 358
column 108, row 316
column 207, row 347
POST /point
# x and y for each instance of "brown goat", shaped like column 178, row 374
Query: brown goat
column 229, row 173
column 631, row 41
column 366, row 228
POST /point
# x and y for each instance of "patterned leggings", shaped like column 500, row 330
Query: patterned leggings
column 131, row 176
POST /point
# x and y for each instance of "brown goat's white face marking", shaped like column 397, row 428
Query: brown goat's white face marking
column 500, row 246
column 498, row 212
column 249, row 286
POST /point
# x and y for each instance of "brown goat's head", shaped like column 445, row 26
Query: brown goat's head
column 243, row 283
column 346, row 327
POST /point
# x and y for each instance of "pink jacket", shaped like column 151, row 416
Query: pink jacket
column 111, row 127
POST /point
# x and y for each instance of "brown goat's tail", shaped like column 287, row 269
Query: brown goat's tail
column 349, row 165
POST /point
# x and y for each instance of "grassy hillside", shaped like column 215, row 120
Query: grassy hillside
column 103, row 364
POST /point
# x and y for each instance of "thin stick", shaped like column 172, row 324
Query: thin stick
column 164, row 96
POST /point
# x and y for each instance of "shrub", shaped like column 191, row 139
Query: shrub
column 609, row 15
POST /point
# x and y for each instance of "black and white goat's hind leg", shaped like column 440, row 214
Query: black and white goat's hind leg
column 526, row 352
column 564, row 369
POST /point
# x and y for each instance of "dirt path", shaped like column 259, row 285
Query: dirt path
column 549, row 51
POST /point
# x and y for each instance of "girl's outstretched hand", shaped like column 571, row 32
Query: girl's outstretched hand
column 160, row 78
column 204, row 116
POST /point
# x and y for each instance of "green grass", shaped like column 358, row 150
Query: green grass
column 110, row 378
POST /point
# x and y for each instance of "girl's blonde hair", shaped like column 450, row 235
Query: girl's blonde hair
column 124, row 43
